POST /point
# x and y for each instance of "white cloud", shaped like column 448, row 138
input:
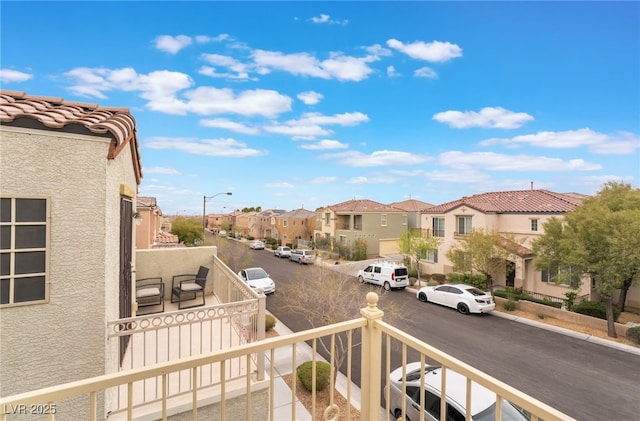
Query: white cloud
column 223, row 123
column 344, row 119
column 490, row 117
column 171, row 44
column 323, row 18
column 622, row 143
column 391, row 72
column 9, row 76
column 378, row 158
column 491, row 161
column 308, row 132
column 161, row 170
column 338, row 66
column 209, row 100
column 435, row 51
column 426, row 72
column 240, row 70
column 228, row 148
column 279, row 185
column 324, row 145
column 323, row 180
column 372, row 180
column 310, row 97
column 309, row 125
column 378, row 50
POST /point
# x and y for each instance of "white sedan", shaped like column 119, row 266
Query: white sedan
column 256, row 245
column 465, row 298
column 257, row 279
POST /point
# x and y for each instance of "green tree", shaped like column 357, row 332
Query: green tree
column 416, row 244
column 482, row 252
column 600, row 238
column 187, row 229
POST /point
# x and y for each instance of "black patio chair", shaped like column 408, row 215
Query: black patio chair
column 187, row 287
column 150, row 293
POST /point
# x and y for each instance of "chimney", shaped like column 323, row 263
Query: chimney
column 532, row 185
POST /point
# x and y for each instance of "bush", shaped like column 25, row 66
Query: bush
column 412, row 280
column 596, row 309
column 323, row 374
column 250, row 237
column 633, row 334
column 510, row 305
column 269, row 321
column 439, row 278
column 478, row 281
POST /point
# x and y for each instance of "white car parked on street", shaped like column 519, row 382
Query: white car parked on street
column 389, row 275
column 481, row 400
column 258, row 278
column 283, row 251
column 465, row 298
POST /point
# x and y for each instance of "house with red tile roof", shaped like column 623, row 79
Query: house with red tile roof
column 70, row 173
column 518, row 214
column 379, row 225
column 149, row 226
column 413, row 208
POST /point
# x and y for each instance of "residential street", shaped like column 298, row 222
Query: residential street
column 586, row 380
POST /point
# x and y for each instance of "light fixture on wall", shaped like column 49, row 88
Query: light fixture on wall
column 137, row 218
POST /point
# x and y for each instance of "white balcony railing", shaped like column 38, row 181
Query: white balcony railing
column 247, row 397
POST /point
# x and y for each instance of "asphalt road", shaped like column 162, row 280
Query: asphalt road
column 587, row 381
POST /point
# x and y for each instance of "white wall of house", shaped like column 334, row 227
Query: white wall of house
column 64, row 339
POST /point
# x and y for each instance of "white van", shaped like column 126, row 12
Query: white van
column 389, row 275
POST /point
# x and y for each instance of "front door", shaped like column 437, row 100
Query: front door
column 126, row 248
column 510, row 271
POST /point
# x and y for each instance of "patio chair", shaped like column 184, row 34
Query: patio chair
column 187, row 287
column 150, row 293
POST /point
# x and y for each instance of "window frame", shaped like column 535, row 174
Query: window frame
column 534, row 225
column 467, row 230
column 383, row 220
column 436, row 220
column 13, row 249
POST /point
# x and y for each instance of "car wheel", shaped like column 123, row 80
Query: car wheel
column 462, row 308
column 397, row 414
column 423, row 297
column 361, row 279
column 387, row 286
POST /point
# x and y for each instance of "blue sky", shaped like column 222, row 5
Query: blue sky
column 308, row 104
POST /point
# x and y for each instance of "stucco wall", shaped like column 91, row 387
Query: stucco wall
column 175, row 261
column 63, row 340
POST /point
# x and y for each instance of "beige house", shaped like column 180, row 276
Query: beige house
column 265, row 223
column 151, row 228
column 379, row 225
column 245, row 224
column 69, row 174
column 519, row 214
column 294, row 225
column 414, row 210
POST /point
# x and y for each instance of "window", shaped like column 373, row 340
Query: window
column 357, row 222
column 438, row 227
column 377, row 269
column 534, row 225
column 431, row 256
column 284, row 223
column 23, row 250
column 343, row 239
column 404, row 219
column 383, row 220
column 327, row 218
column 464, row 225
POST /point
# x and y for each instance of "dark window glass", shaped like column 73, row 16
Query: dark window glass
column 5, row 210
column 31, row 236
column 5, row 238
column 31, row 210
column 28, row 289
column 30, row 262
column 377, row 269
column 401, row 272
column 5, row 263
column 5, row 284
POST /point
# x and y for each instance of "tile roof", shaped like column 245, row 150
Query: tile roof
column 411, row 205
column 515, row 201
column 146, row 202
column 297, row 214
column 363, row 205
column 58, row 115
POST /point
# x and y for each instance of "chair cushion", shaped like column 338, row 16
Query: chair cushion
column 147, row 292
column 191, row 286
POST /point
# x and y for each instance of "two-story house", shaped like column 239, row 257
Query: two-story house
column 265, row 223
column 295, row 225
column 151, row 230
column 414, row 210
column 70, row 173
column 379, row 225
column 518, row 215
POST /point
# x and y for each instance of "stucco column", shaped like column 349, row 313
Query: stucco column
column 371, row 355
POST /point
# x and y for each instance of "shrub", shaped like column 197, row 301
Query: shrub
column 596, row 309
column 478, row 281
column 250, row 237
column 412, row 280
column 439, row 277
column 633, row 334
column 510, row 305
column 269, row 321
column 323, row 374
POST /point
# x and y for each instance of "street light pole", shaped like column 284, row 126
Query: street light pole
column 204, row 209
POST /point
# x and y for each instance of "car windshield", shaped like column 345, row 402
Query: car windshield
column 256, row 274
column 509, row 413
column 401, row 272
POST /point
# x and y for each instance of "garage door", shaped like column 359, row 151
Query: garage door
column 388, row 247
